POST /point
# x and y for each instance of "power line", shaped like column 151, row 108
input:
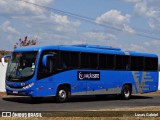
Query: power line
column 87, row 19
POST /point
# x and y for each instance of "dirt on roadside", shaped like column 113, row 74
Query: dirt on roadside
column 2, row 94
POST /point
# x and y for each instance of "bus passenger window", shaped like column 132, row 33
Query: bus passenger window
column 65, row 60
column 51, row 64
column 64, row 66
column 126, row 63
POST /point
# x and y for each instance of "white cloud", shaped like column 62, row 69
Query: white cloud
column 111, row 36
column 99, row 36
column 113, row 17
column 142, row 8
column 74, row 42
column 6, row 27
column 128, row 29
column 59, row 19
column 132, row 1
column 116, row 20
column 152, row 24
column 56, row 38
column 137, row 47
column 156, row 43
column 49, row 21
column 62, row 23
column 13, row 7
column 95, row 36
column 149, row 9
column 52, row 28
column 145, row 46
column 31, row 18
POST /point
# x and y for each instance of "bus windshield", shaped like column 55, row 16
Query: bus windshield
column 21, row 66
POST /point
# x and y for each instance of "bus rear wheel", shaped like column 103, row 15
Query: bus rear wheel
column 62, row 94
column 126, row 92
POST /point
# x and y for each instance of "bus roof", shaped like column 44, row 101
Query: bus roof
column 85, row 48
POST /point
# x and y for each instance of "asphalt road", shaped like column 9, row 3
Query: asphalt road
column 80, row 103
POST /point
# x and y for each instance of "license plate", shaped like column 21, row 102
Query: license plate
column 15, row 92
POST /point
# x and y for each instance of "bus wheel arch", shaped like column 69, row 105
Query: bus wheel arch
column 126, row 91
column 63, row 93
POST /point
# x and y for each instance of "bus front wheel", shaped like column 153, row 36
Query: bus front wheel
column 126, row 92
column 62, row 94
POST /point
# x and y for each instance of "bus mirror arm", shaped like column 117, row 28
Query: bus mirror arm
column 44, row 60
column 3, row 59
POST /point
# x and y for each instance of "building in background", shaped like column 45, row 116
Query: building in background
column 2, row 76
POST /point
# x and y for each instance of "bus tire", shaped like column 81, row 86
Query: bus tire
column 62, row 94
column 126, row 92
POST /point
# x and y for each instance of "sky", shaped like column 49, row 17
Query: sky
column 132, row 25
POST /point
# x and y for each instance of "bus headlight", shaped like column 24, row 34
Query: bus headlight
column 28, row 86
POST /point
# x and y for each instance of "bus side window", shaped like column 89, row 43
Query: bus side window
column 119, row 62
column 126, row 62
column 151, row 64
column 110, row 61
column 50, row 64
column 127, row 67
column 102, row 61
column 64, row 66
column 65, row 60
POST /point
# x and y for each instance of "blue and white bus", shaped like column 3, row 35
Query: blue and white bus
column 66, row 70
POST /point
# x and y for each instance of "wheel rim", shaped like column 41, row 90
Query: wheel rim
column 126, row 93
column 62, row 94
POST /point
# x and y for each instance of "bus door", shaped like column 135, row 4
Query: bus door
column 45, row 78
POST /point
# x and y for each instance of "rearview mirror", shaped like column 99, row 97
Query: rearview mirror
column 44, row 60
column 3, row 59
